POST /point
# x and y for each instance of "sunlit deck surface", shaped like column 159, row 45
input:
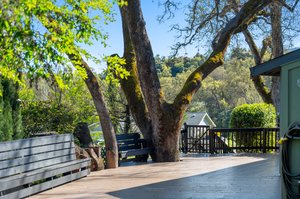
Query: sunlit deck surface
column 230, row 177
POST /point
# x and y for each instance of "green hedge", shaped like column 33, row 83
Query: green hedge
column 10, row 113
column 253, row 115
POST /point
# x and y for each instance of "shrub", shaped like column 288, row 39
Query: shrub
column 249, row 116
column 253, row 115
column 47, row 116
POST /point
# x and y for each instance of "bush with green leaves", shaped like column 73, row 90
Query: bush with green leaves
column 46, row 106
column 46, row 116
column 253, row 115
column 250, row 116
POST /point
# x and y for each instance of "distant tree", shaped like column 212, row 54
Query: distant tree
column 224, row 89
column 118, row 108
column 10, row 114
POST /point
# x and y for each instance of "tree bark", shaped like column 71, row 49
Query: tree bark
column 106, row 124
column 132, row 88
column 167, row 118
column 147, row 74
column 277, row 48
column 261, row 88
column 220, row 44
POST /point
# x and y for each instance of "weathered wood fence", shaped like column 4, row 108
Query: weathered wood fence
column 202, row 139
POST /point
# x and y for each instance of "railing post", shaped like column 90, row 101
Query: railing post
column 185, row 138
column 211, row 141
column 277, row 135
column 264, row 141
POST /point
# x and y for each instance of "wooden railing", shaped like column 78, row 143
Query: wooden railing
column 202, row 139
column 195, row 139
column 235, row 140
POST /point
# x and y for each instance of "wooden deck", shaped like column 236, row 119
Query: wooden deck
column 226, row 177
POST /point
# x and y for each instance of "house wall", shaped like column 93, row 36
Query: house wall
column 290, row 112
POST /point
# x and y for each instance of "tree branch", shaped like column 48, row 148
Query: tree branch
column 284, row 4
column 258, row 82
column 193, row 83
column 254, row 49
column 169, row 7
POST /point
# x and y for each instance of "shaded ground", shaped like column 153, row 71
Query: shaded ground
column 230, row 177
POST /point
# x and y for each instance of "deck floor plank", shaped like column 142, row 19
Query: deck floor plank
column 234, row 177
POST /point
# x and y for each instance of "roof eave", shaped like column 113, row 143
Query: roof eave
column 273, row 67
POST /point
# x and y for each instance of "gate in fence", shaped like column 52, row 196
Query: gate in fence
column 203, row 139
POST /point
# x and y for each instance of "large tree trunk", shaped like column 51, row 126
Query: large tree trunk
column 132, row 88
column 150, row 85
column 277, row 48
column 166, row 119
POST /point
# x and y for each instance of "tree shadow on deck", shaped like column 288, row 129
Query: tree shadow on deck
column 258, row 180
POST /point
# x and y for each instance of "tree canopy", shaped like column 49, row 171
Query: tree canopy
column 29, row 43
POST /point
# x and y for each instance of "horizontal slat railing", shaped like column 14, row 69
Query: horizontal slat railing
column 46, row 185
column 32, row 165
column 35, row 150
column 42, row 174
column 35, row 165
column 34, row 158
column 33, row 142
column 25, row 155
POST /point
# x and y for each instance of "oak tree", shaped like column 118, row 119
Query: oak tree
column 160, row 121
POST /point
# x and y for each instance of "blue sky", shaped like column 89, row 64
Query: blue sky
column 160, row 35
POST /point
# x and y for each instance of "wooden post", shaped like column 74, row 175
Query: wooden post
column 185, row 138
column 211, row 141
column 264, row 140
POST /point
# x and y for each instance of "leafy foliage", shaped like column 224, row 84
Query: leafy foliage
column 26, row 44
column 249, row 116
column 10, row 115
column 115, row 69
column 253, row 115
column 46, row 107
column 46, row 116
column 118, row 107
